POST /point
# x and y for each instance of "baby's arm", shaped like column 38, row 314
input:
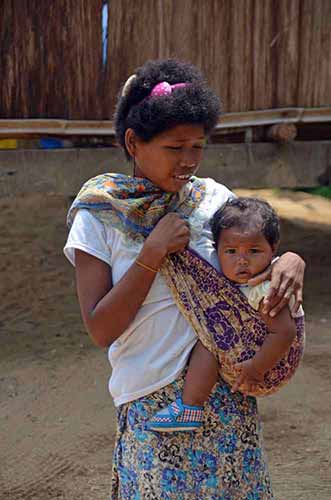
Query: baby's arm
column 282, row 332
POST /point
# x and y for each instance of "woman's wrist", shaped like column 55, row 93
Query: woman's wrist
column 151, row 256
column 146, row 267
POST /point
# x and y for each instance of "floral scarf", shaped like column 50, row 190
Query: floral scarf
column 134, row 205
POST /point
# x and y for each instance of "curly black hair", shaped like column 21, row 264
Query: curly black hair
column 247, row 213
column 193, row 104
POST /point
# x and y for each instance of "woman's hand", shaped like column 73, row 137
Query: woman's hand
column 287, row 275
column 171, row 234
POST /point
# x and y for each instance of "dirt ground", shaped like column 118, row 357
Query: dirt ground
column 56, row 418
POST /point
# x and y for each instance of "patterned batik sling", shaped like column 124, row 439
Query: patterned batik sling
column 218, row 312
column 224, row 321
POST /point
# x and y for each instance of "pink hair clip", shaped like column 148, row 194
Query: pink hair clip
column 164, row 88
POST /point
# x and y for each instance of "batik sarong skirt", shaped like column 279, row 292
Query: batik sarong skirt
column 224, row 460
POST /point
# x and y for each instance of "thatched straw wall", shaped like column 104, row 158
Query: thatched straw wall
column 257, row 54
column 50, row 62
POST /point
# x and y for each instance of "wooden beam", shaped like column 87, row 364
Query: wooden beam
column 255, row 165
column 273, row 116
column 36, row 127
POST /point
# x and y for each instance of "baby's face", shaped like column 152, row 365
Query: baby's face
column 243, row 254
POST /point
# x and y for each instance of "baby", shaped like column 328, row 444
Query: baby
column 246, row 237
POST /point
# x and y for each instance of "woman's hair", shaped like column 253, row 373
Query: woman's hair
column 247, row 214
column 194, row 103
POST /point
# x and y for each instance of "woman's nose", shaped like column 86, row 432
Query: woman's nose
column 190, row 158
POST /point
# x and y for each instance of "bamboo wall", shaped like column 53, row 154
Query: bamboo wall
column 257, row 54
column 50, row 59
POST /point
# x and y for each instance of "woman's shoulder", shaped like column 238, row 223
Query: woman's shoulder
column 86, row 222
column 216, row 195
column 212, row 185
column 89, row 234
column 85, row 218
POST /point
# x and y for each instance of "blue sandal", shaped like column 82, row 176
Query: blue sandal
column 177, row 417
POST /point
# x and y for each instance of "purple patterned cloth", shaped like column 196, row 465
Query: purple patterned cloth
column 224, row 321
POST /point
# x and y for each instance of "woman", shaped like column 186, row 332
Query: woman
column 123, row 230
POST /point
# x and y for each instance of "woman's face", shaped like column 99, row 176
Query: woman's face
column 169, row 159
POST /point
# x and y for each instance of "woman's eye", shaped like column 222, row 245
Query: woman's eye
column 177, row 148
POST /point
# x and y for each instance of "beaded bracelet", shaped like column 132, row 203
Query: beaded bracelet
column 144, row 266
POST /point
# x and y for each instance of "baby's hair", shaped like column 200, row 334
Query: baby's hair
column 194, row 104
column 247, row 214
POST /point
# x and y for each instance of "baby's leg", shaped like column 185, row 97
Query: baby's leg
column 201, row 376
column 186, row 413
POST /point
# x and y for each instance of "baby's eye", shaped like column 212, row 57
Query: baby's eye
column 230, row 251
column 255, row 250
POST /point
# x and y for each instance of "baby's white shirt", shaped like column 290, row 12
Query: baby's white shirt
column 256, row 293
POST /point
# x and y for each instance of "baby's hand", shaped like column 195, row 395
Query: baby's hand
column 249, row 377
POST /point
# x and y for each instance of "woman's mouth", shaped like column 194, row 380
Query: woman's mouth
column 183, row 177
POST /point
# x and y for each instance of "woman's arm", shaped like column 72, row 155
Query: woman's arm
column 282, row 332
column 108, row 310
column 287, row 275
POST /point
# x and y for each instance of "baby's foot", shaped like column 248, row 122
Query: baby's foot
column 177, row 417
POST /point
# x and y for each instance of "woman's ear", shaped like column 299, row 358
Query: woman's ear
column 130, row 142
